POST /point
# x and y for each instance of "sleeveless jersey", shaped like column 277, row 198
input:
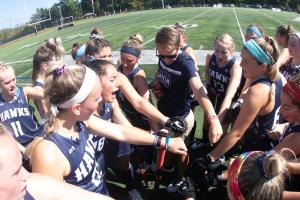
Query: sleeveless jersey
column 99, row 141
column 291, row 128
column 175, row 78
column 219, row 81
column 288, row 71
column 136, row 118
column 256, row 136
column 18, row 115
column 85, row 171
column 28, row 196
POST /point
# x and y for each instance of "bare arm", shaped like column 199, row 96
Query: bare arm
column 140, row 104
column 118, row 116
column 36, row 93
column 291, row 195
column 190, row 51
column 130, row 134
column 253, row 102
column 47, row 159
column 236, row 74
column 43, row 187
column 283, row 58
column 200, row 94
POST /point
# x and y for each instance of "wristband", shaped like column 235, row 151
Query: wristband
column 168, row 141
column 158, row 142
column 154, row 143
column 211, row 117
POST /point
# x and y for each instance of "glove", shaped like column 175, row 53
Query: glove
column 206, row 164
column 186, row 189
column 176, row 124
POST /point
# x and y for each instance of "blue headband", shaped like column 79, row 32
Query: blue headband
column 254, row 29
column 257, row 52
column 131, row 51
column 297, row 34
column 80, row 52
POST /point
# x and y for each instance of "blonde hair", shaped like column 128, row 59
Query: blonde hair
column 263, row 182
column 286, row 31
column 3, row 68
column 226, row 39
column 271, row 48
column 59, row 89
column 168, row 38
column 135, row 41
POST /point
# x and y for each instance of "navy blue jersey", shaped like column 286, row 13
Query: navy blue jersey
column 28, row 196
column 135, row 118
column 175, row 79
column 256, row 136
column 219, row 81
column 288, row 71
column 105, row 113
column 18, row 116
column 184, row 47
column 291, row 128
column 85, row 172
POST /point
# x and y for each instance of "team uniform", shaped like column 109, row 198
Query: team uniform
column 219, row 81
column 175, row 79
column 256, row 137
column 28, row 196
column 135, row 118
column 18, row 115
column 291, row 128
column 288, row 71
column 85, row 171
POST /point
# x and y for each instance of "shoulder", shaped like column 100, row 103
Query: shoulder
column 46, row 157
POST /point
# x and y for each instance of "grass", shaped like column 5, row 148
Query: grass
column 204, row 25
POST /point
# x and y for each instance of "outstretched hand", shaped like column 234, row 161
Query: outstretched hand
column 177, row 146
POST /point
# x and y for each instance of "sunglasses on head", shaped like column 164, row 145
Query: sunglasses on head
column 166, row 56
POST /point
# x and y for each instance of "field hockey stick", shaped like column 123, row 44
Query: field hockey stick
column 161, row 152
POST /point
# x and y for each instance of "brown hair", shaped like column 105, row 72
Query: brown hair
column 263, row 181
column 59, row 89
column 50, row 49
column 96, row 32
column 168, row 38
column 135, row 41
column 286, row 31
column 226, row 39
column 100, row 66
column 179, row 27
column 95, row 45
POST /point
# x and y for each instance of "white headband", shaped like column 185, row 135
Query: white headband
column 297, row 34
column 85, row 89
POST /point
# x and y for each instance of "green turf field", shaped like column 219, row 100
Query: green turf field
column 203, row 25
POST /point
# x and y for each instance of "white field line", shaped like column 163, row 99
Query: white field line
column 237, row 20
column 182, row 22
column 279, row 22
column 24, row 72
column 140, row 23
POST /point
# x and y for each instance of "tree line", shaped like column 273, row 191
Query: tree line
column 80, row 9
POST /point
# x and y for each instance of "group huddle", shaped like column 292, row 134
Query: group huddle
column 96, row 116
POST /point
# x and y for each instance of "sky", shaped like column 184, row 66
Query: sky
column 13, row 12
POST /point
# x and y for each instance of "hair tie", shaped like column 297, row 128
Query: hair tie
column 260, row 163
column 90, row 59
column 60, row 70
